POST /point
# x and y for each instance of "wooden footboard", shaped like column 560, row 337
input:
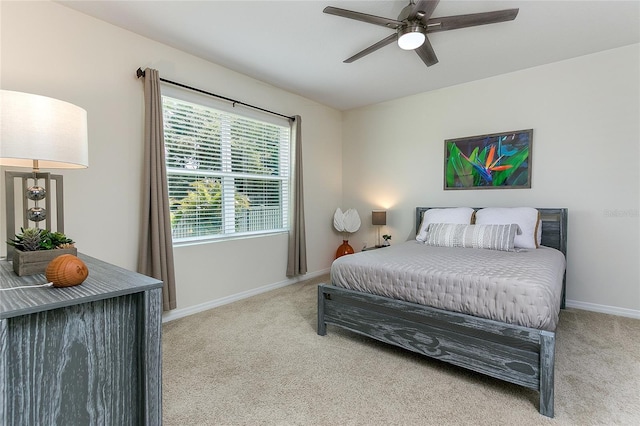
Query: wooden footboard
column 519, row 355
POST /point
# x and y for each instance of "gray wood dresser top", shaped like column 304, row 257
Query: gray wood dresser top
column 104, row 281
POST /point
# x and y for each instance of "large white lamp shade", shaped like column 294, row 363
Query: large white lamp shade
column 34, row 127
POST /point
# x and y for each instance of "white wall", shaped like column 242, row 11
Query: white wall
column 585, row 156
column 54, row 51
column 584, row 113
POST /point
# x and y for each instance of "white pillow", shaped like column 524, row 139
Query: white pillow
column 527, row 218
column 460, row 215
column 494, row 237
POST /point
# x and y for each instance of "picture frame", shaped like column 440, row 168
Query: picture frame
column 492, row 161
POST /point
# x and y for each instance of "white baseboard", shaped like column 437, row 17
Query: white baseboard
column 604, row 309
column 180, row 313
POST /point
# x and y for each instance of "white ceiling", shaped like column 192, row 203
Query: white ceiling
column 295, row 46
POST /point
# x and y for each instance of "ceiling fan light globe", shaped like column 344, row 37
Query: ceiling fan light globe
column 410, row 38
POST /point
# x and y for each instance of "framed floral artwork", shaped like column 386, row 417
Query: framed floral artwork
column 498, row 160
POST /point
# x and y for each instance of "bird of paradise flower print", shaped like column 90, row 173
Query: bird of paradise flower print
column 489, row 166
column 489, row 161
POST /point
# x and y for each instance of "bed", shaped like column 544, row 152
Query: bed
column 501, row 347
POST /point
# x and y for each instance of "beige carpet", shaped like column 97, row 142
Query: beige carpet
column 259, row 361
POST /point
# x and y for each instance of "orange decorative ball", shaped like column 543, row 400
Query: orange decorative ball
column 66, row 270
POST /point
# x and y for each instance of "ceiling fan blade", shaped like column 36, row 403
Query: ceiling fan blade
column 372, row 48
column 426, row 53
column 370, row 19
column 474, row 19
column 425, row 7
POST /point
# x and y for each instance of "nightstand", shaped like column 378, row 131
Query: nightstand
column 373, row 248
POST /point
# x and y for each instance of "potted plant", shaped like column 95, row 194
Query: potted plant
column 34, row 248
column 386, row 238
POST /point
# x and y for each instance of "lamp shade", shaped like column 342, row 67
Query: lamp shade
column 378, row 217
column 34, row 127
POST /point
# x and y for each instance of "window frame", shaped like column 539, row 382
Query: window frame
column 228, row 209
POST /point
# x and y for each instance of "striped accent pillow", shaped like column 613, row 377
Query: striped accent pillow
column 494, row 237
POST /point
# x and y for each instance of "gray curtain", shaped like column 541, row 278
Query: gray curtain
column 156, row 245
column 297, row 261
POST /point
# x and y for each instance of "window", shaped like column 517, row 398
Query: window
column 228, row 174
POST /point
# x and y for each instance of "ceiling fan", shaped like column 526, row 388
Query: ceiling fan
column 414, row 23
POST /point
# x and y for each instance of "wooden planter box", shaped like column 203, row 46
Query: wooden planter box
column 35, row 262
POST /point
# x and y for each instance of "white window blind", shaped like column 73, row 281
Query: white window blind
column 228, row 174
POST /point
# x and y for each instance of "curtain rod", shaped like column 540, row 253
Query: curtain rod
column 140, row 73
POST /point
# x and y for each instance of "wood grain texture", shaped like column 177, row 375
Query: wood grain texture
column 89, row 354
column 151, row 356
column 497, row 350
column 104, row 281
column 4, row 367
column 322, row 324
column 520, row 355
column 547, row 378
column 79, row 363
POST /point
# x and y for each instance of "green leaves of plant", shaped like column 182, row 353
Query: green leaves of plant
column 458, row 166
column 32, row 239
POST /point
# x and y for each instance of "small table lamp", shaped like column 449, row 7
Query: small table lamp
column 379, row 218
column 37, row 131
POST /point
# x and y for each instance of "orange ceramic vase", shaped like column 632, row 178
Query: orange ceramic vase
column 344, row 248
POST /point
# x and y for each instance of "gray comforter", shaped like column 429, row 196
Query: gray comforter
column 523, row 288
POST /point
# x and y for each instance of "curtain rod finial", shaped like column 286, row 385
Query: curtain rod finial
column 140, row 73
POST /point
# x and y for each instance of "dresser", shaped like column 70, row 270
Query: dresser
column 83, row 355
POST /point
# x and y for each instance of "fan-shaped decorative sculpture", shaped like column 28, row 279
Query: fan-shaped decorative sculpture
column 347, row 222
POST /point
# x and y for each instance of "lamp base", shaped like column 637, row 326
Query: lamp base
column 22, row 202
